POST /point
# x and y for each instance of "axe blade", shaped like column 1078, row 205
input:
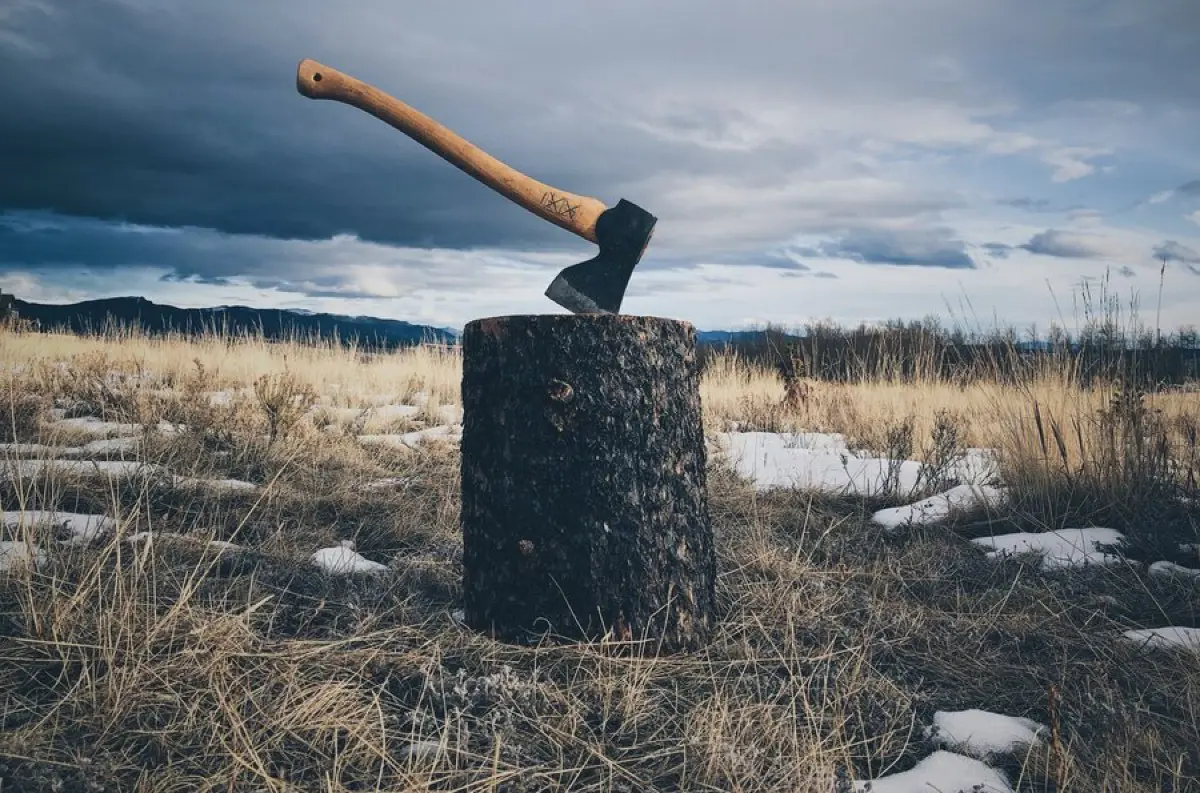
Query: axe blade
column 597, row 286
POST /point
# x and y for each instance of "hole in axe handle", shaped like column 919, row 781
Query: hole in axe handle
column 316, row 77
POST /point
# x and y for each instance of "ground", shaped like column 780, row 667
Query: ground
column 234, row 565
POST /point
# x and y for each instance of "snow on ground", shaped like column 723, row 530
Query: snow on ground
column 109, row 446
column 450, row 414
column 811, row 461
column 220, row 398
column 78, row 527
column 153, row 536
column 28, row 469
column 823, row 461
column 215, row 484
column 99, row 428
column 395, row 441
column 102, row 446
column 94, row 426
column 381, row 414
column 1164, row 638
column 944, row 772
column 388, row 413
column 388, row 482
column 937, row 508
column 977, row 466
column 1059, row 549
column 29, row 448
column 342, row 559
column 114, row 469
column 413, row 440
column 448, row 433
column 1172, row 570
column 16, row 554
column 980, row 733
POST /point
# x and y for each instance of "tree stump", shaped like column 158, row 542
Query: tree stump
column 584, row 494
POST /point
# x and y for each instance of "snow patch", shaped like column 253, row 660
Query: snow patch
column 813, row 461
column 1171, row 637
column 976, row 466
column 94, row 426
column 108, row 446
column 936, row 509
column 342, row 559
column 98, row 428
column 1059, row 549
column 823, row 461
column 142, row 537
column 388, row 483
column 216, row 484
column 980, row 733
column 414, row 440
column 450, row 414
column 15, row 555
column 30, row 448
column 447, row 433
column 942, row 771
column 1172, row 570
column 78, row 527
column 29, row 469
column 394, row 441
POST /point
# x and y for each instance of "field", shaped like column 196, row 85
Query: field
column 233, row 565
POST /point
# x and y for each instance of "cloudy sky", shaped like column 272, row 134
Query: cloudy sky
column 855, row 160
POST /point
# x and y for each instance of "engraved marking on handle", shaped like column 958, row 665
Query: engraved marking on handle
column 559, row 205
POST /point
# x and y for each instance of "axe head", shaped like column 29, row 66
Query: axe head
column 597, row 286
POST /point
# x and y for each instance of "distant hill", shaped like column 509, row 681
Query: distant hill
column 92, row 316
column 739, row 337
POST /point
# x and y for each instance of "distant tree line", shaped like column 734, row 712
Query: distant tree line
column 907, row 351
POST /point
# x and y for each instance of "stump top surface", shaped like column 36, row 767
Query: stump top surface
column 635, row 321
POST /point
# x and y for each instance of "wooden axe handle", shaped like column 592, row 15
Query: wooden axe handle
column 574, row 213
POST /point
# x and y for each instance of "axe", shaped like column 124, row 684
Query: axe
column 622, row 232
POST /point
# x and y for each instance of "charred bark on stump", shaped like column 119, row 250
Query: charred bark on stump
column 584, row 496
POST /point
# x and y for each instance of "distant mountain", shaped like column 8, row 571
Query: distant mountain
column 91, row 316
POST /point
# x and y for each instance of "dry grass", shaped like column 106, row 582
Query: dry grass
column 175, row 667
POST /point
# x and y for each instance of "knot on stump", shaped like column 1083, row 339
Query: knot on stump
column 561, row 392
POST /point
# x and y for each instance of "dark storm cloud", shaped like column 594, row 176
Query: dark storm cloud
column 339, row 267
column 932, row 248
column 178, row 114
column 184, row 114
